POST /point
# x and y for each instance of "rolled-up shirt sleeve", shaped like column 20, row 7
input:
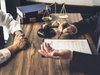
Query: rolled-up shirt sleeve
column 7, row 20
column 5, row 54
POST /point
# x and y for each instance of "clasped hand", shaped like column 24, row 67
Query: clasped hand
column 20, row 41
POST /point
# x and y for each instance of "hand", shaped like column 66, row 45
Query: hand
column 20, row 42
column 19, row 33
column 70, row 28
column 49, row 52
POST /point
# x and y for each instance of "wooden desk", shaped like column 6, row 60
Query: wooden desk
column 30, row 62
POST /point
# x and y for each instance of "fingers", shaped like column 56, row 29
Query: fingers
column 66, row 27
column 20, row 36
column 48, row 55
column 56, row 54
column 19, row 33
column 61, row 26
column 42, row 52
column 46, row 50
column 46, row 47
column 21, row 42
column 69, row 29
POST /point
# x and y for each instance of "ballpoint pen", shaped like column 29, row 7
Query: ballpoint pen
column 60, row 35
column 64, row 26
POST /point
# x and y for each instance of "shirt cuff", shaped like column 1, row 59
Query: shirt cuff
column 5, row 54
column 15, row 26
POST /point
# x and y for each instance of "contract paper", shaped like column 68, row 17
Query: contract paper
column 79, row 45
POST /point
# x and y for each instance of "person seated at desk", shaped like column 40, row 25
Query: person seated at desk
column 79, row 62
column 20, row 40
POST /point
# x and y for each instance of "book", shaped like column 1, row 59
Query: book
column 80, row 45
column 31, row 13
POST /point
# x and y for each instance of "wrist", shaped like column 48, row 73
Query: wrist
column 12, row 49
column 74, row 29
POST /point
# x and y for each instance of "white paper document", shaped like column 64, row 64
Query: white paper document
column 74, row 45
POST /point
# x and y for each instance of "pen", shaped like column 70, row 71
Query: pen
column 60, row 35
column 64, row 26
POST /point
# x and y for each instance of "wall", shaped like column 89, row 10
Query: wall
column 70, row 2
column 84, row 6
column 97, row 2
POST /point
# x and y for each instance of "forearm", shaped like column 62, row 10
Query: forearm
column 6, row 53
column 87, row 25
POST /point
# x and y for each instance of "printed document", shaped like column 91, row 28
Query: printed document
column 80, row 45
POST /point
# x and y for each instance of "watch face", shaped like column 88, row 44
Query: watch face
column 46, row 33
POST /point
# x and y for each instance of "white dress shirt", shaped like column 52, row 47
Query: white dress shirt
column 7, row 20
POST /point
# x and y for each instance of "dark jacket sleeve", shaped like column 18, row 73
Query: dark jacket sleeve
column 85, row 63
column 82, row 62
column 87, row 25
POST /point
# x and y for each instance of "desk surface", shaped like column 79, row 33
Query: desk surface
column 30, row 62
